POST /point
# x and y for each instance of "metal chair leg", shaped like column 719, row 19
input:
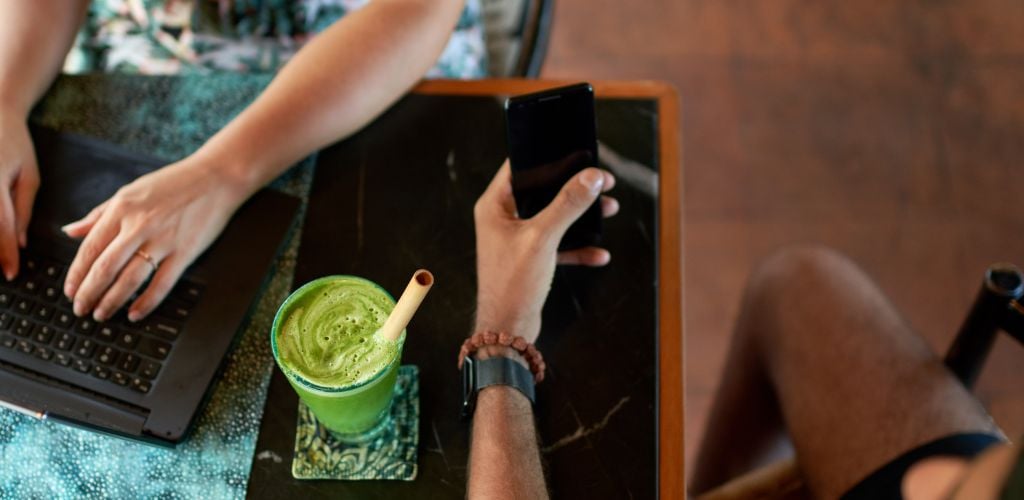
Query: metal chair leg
column 1003, row 285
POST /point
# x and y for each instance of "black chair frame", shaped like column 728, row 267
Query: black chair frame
column 535, row 37
column 998, row 307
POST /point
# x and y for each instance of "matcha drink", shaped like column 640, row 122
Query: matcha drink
column 323, row 340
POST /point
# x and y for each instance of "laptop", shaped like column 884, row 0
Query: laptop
column 146, row 380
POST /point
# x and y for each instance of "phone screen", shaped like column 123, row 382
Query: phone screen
column 551, row 137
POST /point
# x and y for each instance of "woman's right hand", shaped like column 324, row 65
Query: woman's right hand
column 19, row 181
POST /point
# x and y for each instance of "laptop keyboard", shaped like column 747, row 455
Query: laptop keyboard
column 36, row 319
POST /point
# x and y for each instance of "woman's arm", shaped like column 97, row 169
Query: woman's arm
column 33, row 42
column 335, row 85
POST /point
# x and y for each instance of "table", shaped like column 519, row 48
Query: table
column 399, row 194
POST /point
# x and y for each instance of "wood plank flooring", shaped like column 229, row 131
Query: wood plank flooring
column 893, row 131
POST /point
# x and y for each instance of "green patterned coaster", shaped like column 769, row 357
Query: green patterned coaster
column 391, row 455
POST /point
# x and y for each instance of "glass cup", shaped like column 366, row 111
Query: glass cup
column 352, row 411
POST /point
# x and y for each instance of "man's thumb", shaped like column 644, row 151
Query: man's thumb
column 573, row 200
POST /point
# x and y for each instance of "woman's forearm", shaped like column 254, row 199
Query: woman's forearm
column 335, row 85
column 33, row 43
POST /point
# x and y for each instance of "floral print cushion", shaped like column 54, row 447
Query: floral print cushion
column 252, row 36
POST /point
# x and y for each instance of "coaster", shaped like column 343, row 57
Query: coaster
column 391, row 455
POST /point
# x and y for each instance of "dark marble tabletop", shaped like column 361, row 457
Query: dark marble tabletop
column 399, row 196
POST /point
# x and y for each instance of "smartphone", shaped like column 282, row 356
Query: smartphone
column 552, row 135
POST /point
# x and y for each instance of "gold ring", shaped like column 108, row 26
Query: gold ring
column 148, row 257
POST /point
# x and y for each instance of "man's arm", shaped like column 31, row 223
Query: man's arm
column 515, row 263
column 504, row 461
column 35, row 37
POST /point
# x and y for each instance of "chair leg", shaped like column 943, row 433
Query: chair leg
column 1013, row 323
column 1003, row 283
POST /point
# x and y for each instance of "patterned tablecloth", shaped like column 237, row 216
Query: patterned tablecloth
column 167, row 117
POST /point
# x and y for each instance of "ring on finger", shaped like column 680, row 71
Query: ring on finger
column 149, row 258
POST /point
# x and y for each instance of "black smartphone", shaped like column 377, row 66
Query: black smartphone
column 552, row 135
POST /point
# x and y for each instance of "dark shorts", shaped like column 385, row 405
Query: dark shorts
column 886, row 482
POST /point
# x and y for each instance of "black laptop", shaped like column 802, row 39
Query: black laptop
column 146, row 380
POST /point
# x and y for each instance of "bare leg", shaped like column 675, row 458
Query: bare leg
column 819, row 347
column 745, row 429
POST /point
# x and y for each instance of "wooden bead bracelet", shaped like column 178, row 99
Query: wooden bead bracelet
column 526, row 349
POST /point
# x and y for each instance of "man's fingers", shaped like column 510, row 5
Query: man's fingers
column 8, row 237
column 609, row 181
column 587, row 256
column 164, row 279
column 81, row 227
column 499, row 181
column 24, row 194
column 499, row 192
column 575, row 197
column 609, row 206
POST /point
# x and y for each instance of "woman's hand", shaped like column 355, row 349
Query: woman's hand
column 170, row 216
column 19, row 181
column 516, row 258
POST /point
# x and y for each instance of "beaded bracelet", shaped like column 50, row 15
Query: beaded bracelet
column 526, row 349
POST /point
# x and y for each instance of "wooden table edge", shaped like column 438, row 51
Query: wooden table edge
column 638, row 89
column 671, row 467
column 671, row 303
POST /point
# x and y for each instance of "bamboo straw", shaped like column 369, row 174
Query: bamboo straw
column 407, row 305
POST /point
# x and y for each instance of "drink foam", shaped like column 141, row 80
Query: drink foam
column 326, row 334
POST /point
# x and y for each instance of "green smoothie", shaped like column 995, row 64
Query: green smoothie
column 323, row 340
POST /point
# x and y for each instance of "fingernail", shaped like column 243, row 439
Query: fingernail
column 22, row 240
column 134, row 316
column 99, row 316
column 9, row 276
column 593, row 180
column 78, row 308
column 69, row 291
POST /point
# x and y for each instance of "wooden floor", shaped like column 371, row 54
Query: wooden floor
column 893, row 131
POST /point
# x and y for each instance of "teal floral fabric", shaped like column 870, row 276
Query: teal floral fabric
column 167, row 117
column 161, row 37
column 44, row 460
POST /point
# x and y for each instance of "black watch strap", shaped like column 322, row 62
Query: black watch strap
column 499, row 370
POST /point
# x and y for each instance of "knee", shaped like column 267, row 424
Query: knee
column 802, row 261
column 798, row 272
column 790, row 286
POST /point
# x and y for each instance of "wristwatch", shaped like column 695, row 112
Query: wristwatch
column 497, row 370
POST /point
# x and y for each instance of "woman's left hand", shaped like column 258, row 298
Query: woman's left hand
column 157, row 225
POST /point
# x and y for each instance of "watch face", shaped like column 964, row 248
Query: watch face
column 468, row 388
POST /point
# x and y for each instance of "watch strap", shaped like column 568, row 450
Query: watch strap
column 501, row 370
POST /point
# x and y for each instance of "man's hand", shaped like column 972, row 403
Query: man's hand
column 516, row 258
column 171, row 215
column 19, row 181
